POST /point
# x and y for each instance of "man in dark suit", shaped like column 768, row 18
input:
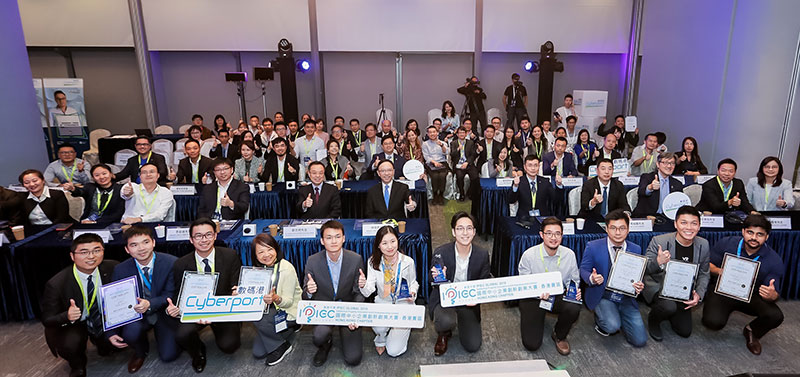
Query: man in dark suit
column 71, row 311
column 612, row 311
column 228, row 199
column 347, row 144
column 488, row 148
column 154, row 276
column 280, row 166
column 389, row 153
column 145, row 149
column 603, row 194
column 725, row 192
column 387, row 199
column 682, row 246
column 223, row 148
column 558, row 162
column 193, row 168
column 462, row 155
column 534, row 193
column 608, row 151
column 335, row 274
column 318, row 200
column 206, row 258
column 460, row 261
column 654, row 187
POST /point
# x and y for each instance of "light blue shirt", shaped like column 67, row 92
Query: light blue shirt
column 335, row 269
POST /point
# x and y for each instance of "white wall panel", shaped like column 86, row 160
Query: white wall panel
column 76, row 23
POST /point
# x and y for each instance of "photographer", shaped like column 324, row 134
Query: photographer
column 475, row 97
column 515, row 101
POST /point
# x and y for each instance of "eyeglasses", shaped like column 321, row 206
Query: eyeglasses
column 200, row 237
column 618, row 229
column 87, row 252
column 220, row 170
column 552, row 234
column 465, row 229
column 142, row 144
column 668, row 163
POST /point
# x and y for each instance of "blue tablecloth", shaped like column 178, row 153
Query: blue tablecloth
column 415, row 242
column 38, row 258
column 512, row 240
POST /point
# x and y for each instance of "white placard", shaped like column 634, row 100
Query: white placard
column 413, row 169
column 631, row 123
column 784, row 223
column 370, row 229
column 103, row 233
column 500, row 289
column 183, row 190
column 641, row 225
column 411, row 184
column 299, row 231
column 673, row 202
column 700, row 179
column 620, row 167
column 238, row 308
column 121, row 157
column 177, row 233
column 342, row 313
column 568, row 228
column 680, row 179
column 629, row 180
column 504, row 182
column 572, row 182
column 712, row 221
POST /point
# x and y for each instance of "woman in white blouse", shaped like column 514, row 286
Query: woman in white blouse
column 393, row 275
column 767, row 191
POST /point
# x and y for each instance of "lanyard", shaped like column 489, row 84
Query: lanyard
column 357, row 134
column 295, row 135
column 201, row 268
column 393, row 293
column 280, row 171
column 560, row 165
column 725, row 192
column 69, row 176
column 766, row 194
column 110, row 194
column 739, row 250
column 462, row 147
column 195, row 170
column 307, row 146
column 83, row 290
column 147, row 282
column 411, row 150
column 538, row 145
column 334, row 168
column 219, row 199
column 651, row 162
column 541, row 255
column 148, row 207
column 149, row 154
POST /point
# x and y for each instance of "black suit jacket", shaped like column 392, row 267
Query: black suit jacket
column 616, row 198
column 347, row 290
column 399, row 161
column 116, row 205
column 376, row 206
column 233, row 152
column 482, row 157
column 713, row 200
column 478, row 269
column 131, row 169
column 55, row 300
column 270, row 171
column 184, row 174
column 351, row 153
column 56, row 208
column 593, row 161
column 469, row 152
column 328, row 206
column 648, row 205
column 226, row 263
column 11, row 205
column 546, row 195
column 237, row 191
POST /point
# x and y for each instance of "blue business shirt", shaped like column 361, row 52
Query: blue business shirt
column 335, row 269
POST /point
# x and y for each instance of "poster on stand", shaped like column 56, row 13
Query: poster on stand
column 66, row 114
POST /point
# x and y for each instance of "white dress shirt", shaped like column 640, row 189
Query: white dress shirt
column 37, row 216
column 151, row 207
column 462, row 266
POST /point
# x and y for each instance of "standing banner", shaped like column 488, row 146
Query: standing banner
column 66, row 114
column 38, row 86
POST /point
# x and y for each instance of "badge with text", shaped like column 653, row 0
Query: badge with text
column 341, row 313
column 500, row 289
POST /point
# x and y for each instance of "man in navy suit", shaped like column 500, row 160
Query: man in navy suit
column 389, row 153
column 535, row 194
column 153, row 272
column 612, row 310
column 558, row 162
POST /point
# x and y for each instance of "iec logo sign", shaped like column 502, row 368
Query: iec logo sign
column 450, row 294
column 309, row 311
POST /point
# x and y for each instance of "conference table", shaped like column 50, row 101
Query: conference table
column 30, row 263
column 280, row 203
column 414, row 242
column 513, row 238
column 107, row 147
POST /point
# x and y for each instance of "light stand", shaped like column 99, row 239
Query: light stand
column 382, row 114
column 239, row 78
column 262, row 75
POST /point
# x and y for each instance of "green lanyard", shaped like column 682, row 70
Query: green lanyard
column 766, row 194
column 725, row 193
column 541, row 255
column 148, row 207
column 357, row 134
column 334, row 168
column 83, row 290
column 538, row 145
column 411, row 150
column 150, row 154
column 280, row 171
column 195, row 170
column 651, row 162
column 307, row 146
column 533, row 196
column 101, row 210
column 69, row 176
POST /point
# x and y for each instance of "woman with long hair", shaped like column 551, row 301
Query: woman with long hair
column 450, row 119
column 689, row 162
column 514, row 153
column 584, row 150
column 768, row 191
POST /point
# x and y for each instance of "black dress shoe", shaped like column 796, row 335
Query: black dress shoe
column 199, row 362
column 654, row 328
column 753, row 344
column 77, row 373
column 135, row 363
column 322, row 354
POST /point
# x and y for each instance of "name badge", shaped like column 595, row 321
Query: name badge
column 177, row 233
column 568, row 228
column 780, row 222
column 299, row 231
column 713, row 221
column 504, row 182
column 700, row 179
column 280, row 321
column 370, row 229
column 592, row 171
column 533, row 213
column 103, row 233
column 183, row 190
column 641, row 225
column 547, row 304
column 572, row 182
column 629, row 180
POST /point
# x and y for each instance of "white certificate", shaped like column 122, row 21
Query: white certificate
column 627, row 269
column 255, row 280
column 196, row 284
column 678, row 281
column 737, row 278
column 118, row 299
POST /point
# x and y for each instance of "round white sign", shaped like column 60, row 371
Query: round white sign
column 413, row 170
column 674, row 201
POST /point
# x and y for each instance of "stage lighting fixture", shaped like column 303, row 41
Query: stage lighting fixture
column 285, row 48
column 303, row 65
column 547, row 50
column 531, row 66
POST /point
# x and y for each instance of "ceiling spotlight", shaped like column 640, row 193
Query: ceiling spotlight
column 303, row 66
column 531, row 66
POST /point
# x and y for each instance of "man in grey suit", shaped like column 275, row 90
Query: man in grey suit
column 683, row 246
column 335, row 274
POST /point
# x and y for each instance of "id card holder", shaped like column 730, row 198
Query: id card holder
column 547, row 304
column 306, row 159
column 616, row 297
column 533, row 213
column 280, row 321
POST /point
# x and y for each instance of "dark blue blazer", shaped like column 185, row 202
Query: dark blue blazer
column 568, row 168
column 596, row 256
column 163, row 284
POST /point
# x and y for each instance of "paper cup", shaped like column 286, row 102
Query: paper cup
column 269, row 186
column 580, row 223
column 401, row 226
column 273, row 230
column 570, row 220
column 651, row 218
column 19, row 232
column 169, row 184
column 161, row 231
column 261, row 186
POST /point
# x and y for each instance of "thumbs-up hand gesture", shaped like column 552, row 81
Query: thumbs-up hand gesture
column 362, row 280
column 655, row 185
column 80, row 166
column 780, row 202
column 412, row 205
column 226, row 201
column 480, row 148
column 596, row 153
column 73, row 312
column 206, row 179
column 291, row 169
column 682, row 158
column 141, row 306
column 308, row 202
column 663, row 256
column 735, row 201
column 173, row 310
column 595, row 278
column 597, row 198
column 554, row 163
column 768, row 292
column 127, row 190
column 268, row 298
column 311, row 285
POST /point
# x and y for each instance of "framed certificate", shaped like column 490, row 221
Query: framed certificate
column 737, row 278
column 197, row 284
column 255, row 280
column 117, row 300
column 627, row 269
column 678, row 281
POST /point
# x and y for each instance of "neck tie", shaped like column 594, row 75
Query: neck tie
column 316, row 194
column 604, row 205
column 146, row 271
column 224, row 152
column 386, row 195
column 208, row 266
column 662, row 194
column 94, row 321
column 616, row 250
column 533, row 186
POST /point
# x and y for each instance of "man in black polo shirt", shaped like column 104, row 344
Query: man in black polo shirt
column 515, row 100
column 750, row 245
